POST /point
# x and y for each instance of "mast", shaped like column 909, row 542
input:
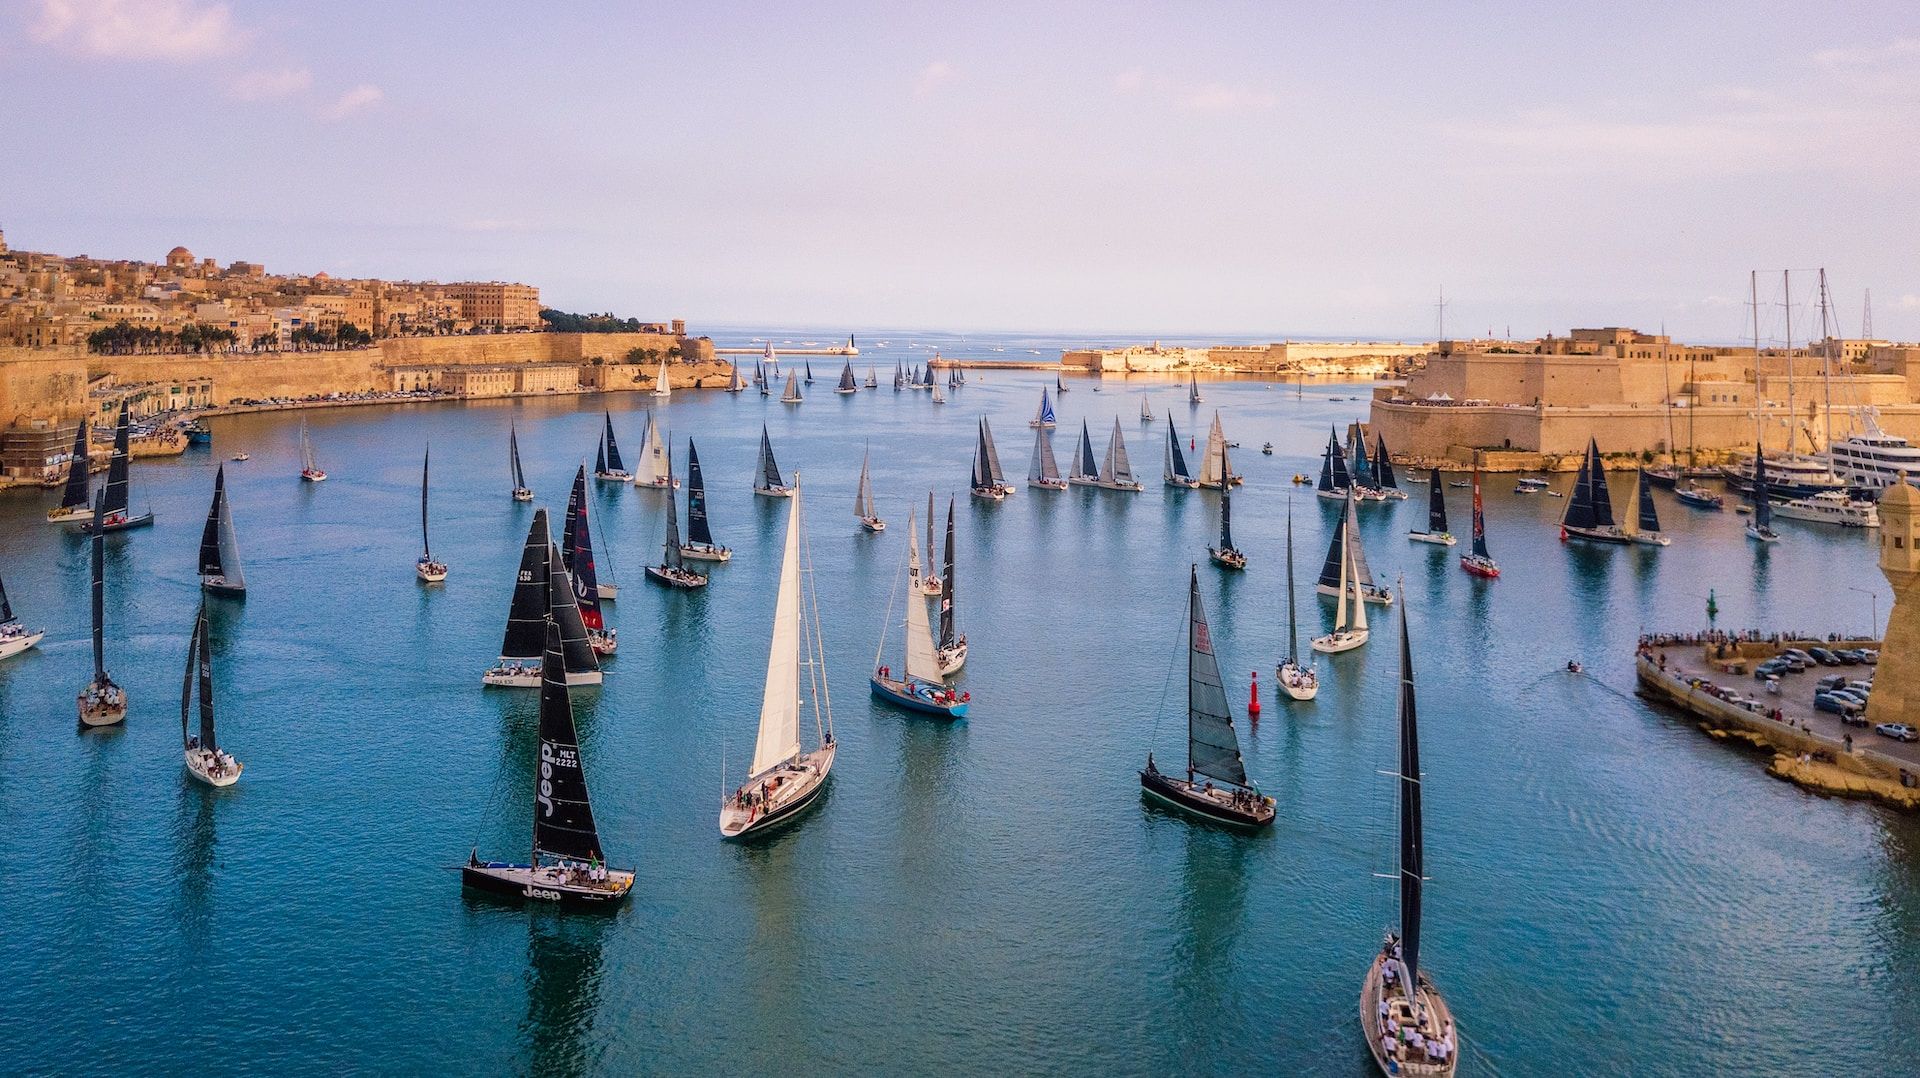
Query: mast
column 672, row 560
column 1793, row 418
column 78, row 479
column 947, row 638
column 1826, row 373
column 563, row 824
column 698, row 531
column 1213, row 749
column 1666, row 388
column 779, row 737
column 99, row 588
column 1412, row 860
column 1226, row 518
column 1759, row 400
column 1293, row 621
column 426, row 463
column 930, row 531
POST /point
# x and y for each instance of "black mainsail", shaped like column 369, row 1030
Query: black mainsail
column 1412, row 861
column 1479, row 524
column 1383, row 476
column 1762, row 508
column 575, row 499
column 1602, row 497
column 1226, row 517
column 75, row 496
column 947, row 638
column 989, row 456
column 582, row 666
column 614, row 463
column 1213, row 749
column 1333, row 467
column 1087, row 467
column 199, row 669
column 847, row 383
column 426, row 469
column 527, row 618
column 562, row 812
column 99, row 588
column 1362, row 467
column 769, row 469
column 698, row 533
column 1436, row 505
column 1649, row 521
column 116, row 489
column 672, row 545
column 219, row 548
column 586, row 582
column 6, row 608
column 1176, row 460
column 513, row 454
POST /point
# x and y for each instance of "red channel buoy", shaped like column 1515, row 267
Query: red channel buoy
column 1253, row 697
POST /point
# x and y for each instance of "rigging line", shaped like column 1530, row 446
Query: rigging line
column 891, row 593
column 1173, row 660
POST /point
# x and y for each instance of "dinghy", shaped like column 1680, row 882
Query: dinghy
column 607, row 465
column 309, row 468
column 783, row 780
column 206, row 761
column 863, row 499
column 951, row 650
column 700, row 545
column 76, row 502
column 1298, row 682
column 220, row 570
column 1226, row 554
column 101, row 703
column 766, row 476
column 1436, row 532
column 1213, row 749
column 1044, row 471
column 117, row 516
column 14, row 636
column 428, row 568
column 521, row 492
column 1345, row 637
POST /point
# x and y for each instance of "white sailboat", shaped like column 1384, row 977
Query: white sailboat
column 863, row 499
column 1044, row 471
column 783, row 780
column 918, row 686
column 655, row 469
column 309, row 470
column 1215, row 471
column 1146, row 410
column 14, row 636
column 1343, row 637
column 1044, row 416
column 1116, row 472
column 661, row 387
column 791, row 395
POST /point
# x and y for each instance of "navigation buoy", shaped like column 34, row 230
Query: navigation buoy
column 1253, row 697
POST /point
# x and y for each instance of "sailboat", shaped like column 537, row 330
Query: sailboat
column 521, row 492
column 939, row 396
column 1477, row 561
column 577, row 559
column 919, row 686
column 1384, row 480
column 429, row 569
column 1590, row 511
column 734, row 384
column 1146, row 411
column 899, row 377
column 14, row 637
column 1193, row 388
column 206, row 761
column 873, row 380
column 672, row 570
column 863, row 499
column 1346, row 534
column 1647, row 519
column 952, row 647
column 988, row 481
column 1044, row 471
column 1298, row 682
column 1363, row 485
column 807, row 365
column 1086, row 468
column 1334, row 481
column 309, row 468
column 1760, row 527
column 763, row 380
column 1226, row 554
column 1216, row 473
column 1044, row 416
column 700, row 545
column 1116, row 472
column 656, row 465
column 930, row 580
column 662, row 388
column 1059, row 385
column 1396, row 989
column 542, row 592
column 783, row 780
column 76, row 502
column 1213, row 749
column 766, row 475
column 577, row 498
column 117, row 517
column 607, row 465
column 1436, row 532
column 567, row 865
column 847, row 383
column 1349, row 597
column 102, row 703
column 1174, row 467
column 791, row 395
column 220, row 570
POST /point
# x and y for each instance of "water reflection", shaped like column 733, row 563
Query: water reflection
column 563, row 979
column 193, row 863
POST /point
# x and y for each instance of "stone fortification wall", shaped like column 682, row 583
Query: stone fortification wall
column 41, row 384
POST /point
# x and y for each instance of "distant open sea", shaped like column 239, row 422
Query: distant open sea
column 1611, row 892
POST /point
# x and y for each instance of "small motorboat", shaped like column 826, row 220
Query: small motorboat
column 1267, row 449
column 240, row 456
column 1458, row 484
column 1699, row 497
column 1301, row 479
column 1555, row 494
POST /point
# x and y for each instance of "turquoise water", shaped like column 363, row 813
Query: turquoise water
column 1611, row 891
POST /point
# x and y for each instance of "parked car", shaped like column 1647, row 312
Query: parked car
column 1860, row 686
column 1857, row 697
column 1847, row 657
column 1869, row 656
column 1899, row 731
column 1824, row 657
column 1796, row 653
column 1770, row 668
column 1830, row 683
column 1835, row 704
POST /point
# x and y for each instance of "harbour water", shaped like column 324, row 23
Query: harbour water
column 1611, row 891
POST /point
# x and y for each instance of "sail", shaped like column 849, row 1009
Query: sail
column 990, row 455
column 947, row 637
column 929, row 531
column 779, row 739
column 1043, row 466
column 1436, row 504
column 513, row 455
column 1335, row 472
column 117, row 467
column 1362, row 577
column 1176, row 462
column 1412, row 861
column 1293, row 622
column 1762, row 508
column 75, row 496
column 1212, row 747
column 1343, row 596
column 1649, row 522
column 863, row 497
column 614, row 464
column 1479, row 522
column 562, row 811
column 698, row 532
column 1058, row 385
column 672, row 546
column 1330, row 568
column 1044, row 417
column 204, row 668
column 226, row 542
column 1116, row 468
column 661, row 385
column 1580, row 512
column 600, row 458
column 733, row 380
column 913, row 553
column 808, row 364
column 210, row 563
column 527, row 617
column 1086, row 467
column 566, row 614
column 6, row 608
column 193, row 668
column 575, row 498
column 1213, row 468
column 1193, row 388
column 922, row 664
column 1362, row 467
column 847, row 383
column 791, row 395
column 99, row 586
column 1226, row 518
column 426, row 464
column 306, row 447
column 769, row 468
column 1383, row 476
column 651, row 468
column 586, row 581
column 1602, row 499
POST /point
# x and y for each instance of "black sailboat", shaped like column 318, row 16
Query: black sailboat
column 577, row 560
column 521, row 492
column 700, row 545
column 1396, row 989
column 102, row 703
column 1478, row 561
column 1174, row 467
column 116, row 517
column 220, row 570
column 1590, row 511
column 1226, row 554
column 567, row 864
column 525, row 641
column 607, row 465
column 1333, row 471
column 987, row 480
column 951, row 653
column 1298, row 682
column 808, row 364
column 1383, row 478
column 1761, row 526
column 205, row 760
column 766, row 476
column 1360, row 577
column 847, row 382
column 1646, row 517
column 14, row 636
column 429, row 569
column 1362, row 467
column 1086, row 467
column 672, row 570
column 1436, row 532
column 1213, row 749
column 75, row 502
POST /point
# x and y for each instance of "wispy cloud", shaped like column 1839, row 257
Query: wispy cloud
column 361, row 97
column 1895, row 51
column 1196, row 96
column 270, row 85
column 138, row 29
column 931, row 77
column 492, row 224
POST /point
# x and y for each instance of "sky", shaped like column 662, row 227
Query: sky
column 1268, row 169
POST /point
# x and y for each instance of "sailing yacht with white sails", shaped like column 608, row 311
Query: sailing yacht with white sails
column 656, row 465
column 1044, row 471
column 220, row 570
column 662, row 387
column 206, row 761
column 847, row 384
column 791, row 395
column 1215, row 471
column 863, row 497
column 1298, row 682
column 1116, row 471
column 1345, row 636
column 929, row 580
column 783, row 779
column 1346, row 535
column 918, row 686
column 429, row 569
column 309, row 468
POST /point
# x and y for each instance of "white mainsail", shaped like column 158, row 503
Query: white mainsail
column 1350, row 557
column 863, row 498
column 1340, row 603
column 913, row 556
column 660, row 386
column 653, row 456
column 1213, row 469
column 922, row 663
column 1116, row 469
column 779, row 739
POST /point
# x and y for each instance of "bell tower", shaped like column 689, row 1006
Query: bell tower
column 1896, row 682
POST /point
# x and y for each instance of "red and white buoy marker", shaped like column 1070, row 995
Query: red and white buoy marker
column 1253, row 697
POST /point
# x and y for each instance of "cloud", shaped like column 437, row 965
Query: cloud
column 364, row 96
column 492, row 224
column 138, row 29
column 1897, row 50
column 1910, row 303
column 1590, row 142
column 1197, row 97
column 269, row 85
column 931, row 76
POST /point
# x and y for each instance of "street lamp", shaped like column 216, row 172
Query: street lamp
column 1874, row 628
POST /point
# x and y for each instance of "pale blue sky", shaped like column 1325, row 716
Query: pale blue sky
column 1258, row 168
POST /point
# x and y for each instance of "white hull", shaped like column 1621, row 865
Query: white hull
column 430, row 572
column 873, row 524
column 200, row 767
column 1047, row 484
column 699, row 553
column 1439, row 1018
column 608, row 591
column 930, row 585
column 66, row 516
column 614, row 477
column 1651, row 539
column 1829, row 509
column 1436, row 538
column 1377, row 595
column 313, row 477
column 14, row 645
column 526, row 680
column 1344, row 640
column 800, row 785
column 1762, row 537
column 774, row 492
column 1183, row 484
column 658, row 484
column 952, row 659
column 1298, row 683
column 523, row 495
column 990, row 494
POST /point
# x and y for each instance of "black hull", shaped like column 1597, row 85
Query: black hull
column 1174, row 792
column 1593, row 535
column 225, row 591
column 565, row 897
column 783, row 816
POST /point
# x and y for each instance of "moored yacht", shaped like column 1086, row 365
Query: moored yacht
column 1831, row 507
column 1872, row 459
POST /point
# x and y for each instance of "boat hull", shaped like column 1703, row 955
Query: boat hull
column 608, row 592
column 430, row 572
column 1700, row 500
column 1595, row 535
column 68, row 516
column 1227, row 559
column 111, row 525
column 313, row 477
column 530, row 679
column 774, row 492
column 14, row 645
column 1762, row 536
column 873, row 524
column 613, row 477
column 217, row 585
column 1375, row 594
column 1480, row 567
column 686, row 581
column 738, row 825
column 1198, row 800
column 523, row 495
column 991, row 494
column 200, row 767
column 525, row 884
column 1651, row 539
column 702, row 553
column 914, row 697
column 1297, row 683
column 1344, row 640
column 1440, row 1018
column 1436, row 538
column 951, row 659
column 1047, row 484
column 1183, row 484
